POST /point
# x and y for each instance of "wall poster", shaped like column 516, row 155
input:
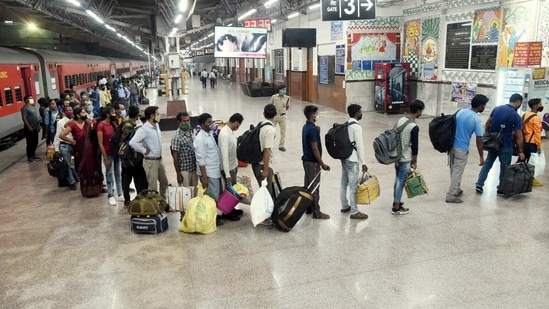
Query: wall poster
column 430, row 46
column 515, row 28
column 340, row 60
column 412, row 44
column 462, row 94
column 486, row 26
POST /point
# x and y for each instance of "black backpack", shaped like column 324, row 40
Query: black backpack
column 115, row 140
column 337, row 141
column 127, row 154
column 442, row 132
column 248, row 147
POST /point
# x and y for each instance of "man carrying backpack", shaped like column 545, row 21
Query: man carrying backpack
column 267, row 133
column 409, row 138
column 349, row 175
column 468, row 121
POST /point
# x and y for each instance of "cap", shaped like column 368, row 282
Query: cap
column 281, row 86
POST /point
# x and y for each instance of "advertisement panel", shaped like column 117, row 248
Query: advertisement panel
column 240, row 42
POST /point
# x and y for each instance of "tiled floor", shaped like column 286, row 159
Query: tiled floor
column 60, row 250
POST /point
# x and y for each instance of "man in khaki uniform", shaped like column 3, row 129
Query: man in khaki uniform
column 282, row 103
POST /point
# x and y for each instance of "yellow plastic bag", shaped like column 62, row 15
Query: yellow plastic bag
column 200, row 216
column 368, row 189
column 241, row 189
column 50, row 152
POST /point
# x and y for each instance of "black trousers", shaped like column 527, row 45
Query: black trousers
column 32, row 142
column 257, row 168
column 137, row 173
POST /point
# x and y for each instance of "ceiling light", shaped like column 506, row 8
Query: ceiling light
column 178, row 18
column 269, row 3
column 250, row 12
column 110, row 28
column 211, row 34
column 229, row 25
column 32, row 26
column 74, row 2
column 314, row 6
column 182, row 5
column 97, row 18
column 273, row 21
column 295, row 14
column 8, row 22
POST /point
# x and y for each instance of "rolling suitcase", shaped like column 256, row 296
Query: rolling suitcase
column 290, row 205
column 150, row 224
column 517, row 179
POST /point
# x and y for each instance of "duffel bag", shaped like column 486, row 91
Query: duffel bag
column 147, row 203
column 517, row 178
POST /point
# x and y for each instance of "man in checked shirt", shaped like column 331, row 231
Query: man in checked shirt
column 184, row 159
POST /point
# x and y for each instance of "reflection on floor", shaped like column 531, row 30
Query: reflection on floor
column 60, row 250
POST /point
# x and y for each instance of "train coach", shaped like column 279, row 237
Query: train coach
column 46, row 73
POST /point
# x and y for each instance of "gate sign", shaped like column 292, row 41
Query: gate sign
column 348, row 9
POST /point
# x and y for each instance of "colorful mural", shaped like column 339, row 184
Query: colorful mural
column 412, row 44
column 430, row 29
column 486, row 26
column 516, row 28
column 370, row 42
column 543, row 32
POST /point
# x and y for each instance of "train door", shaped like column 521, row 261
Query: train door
column 28, row 82
column 60, row 80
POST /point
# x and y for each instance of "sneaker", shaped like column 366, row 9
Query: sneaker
column 282, row 148
column 501, row 193
column 237, row 212
column 345, row 209
column 73, row 186
column 359, row 216
column 460, row 192
column 478, row 189
column 218, row 221
column 321, row 216
column 230, row 217
column 454, row 200
column 120, row 198
column 400, row 211
column 32, row 162
column 112, row 201
column 35, row 158
column 537, row 183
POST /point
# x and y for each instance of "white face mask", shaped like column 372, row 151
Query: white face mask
column 157, row 118
column 31, row 101
column 123, row 113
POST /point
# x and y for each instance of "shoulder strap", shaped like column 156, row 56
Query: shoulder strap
column 403, row 126
column 505, row 121
column 527, row 119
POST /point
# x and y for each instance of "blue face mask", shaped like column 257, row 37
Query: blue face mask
column 90, row 109
column 123, row 114
column 283, row 92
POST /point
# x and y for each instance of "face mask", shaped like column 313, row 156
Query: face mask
column 157, row 118
column 90, row 109
column 123, row 114
column 84, row 117
column 283, row 92
column 540, row 109
column 69, row 114
column 31, row 101
column 211, row 126
column 185, row 126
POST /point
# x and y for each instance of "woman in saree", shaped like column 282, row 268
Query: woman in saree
column 87, row 158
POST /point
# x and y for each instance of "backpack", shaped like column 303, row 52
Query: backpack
column 248, row 146
column 115, row 140
column 442, row 132
column 127, row 154
column 337, row 141
column 387, row 146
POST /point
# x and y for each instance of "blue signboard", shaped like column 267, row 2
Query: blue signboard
column 323, row 70
column 340, row 60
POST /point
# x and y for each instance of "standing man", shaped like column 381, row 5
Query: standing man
column 129, row 172
column 282, row 103
column 184, row 159
column 212, row 79
column 262, row 169
column 349, row 166
column 134, row 92
column 96, row 100
column 148, row 141
column 503, row 115
column 66, row 149
column 31, row 129
column 204, row 78
column 312, row 158
column 531, row 122
column 123, row 95
column 409, row 138
column 468, row 121
column 227, row 148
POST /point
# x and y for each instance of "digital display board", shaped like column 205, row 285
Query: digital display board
column 240, row 42
column 258, row 23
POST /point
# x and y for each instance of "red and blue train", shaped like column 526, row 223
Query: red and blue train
column 46, row 73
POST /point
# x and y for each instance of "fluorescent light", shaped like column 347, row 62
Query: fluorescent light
column 273, row 21
column 250, row 12
column 211, row 34
column 97, row 18
column 229, row 25
column 269, row 3
column 9, row 22
column 110, row 28
column 182, row 5
column 314, row 6
column 178, row 18
column 74, row 2
column 295, row 14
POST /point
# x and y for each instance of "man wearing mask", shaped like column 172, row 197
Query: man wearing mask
column 531, row 122
column 29, row 114
column 147, row 140
column 120, row 111
column 503, row 115
column 66, row 149
column 184, row 159
column 88, row 107
column 95, row 98
column 282, row 103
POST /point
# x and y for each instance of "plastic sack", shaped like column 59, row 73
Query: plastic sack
column 538, row 161
column 179, row 197
column 262, row 204
column 50, row 152
column 200, row 216
column 415, row 184
column 241, row 189
column 368, row 189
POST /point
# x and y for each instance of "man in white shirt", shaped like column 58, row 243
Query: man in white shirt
column 64, row 148
column 227, row 148
column 349, row 176
column 262, row 169
column 204, row 78
column 148, row 141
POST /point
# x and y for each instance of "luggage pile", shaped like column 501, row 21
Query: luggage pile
column 148, row 214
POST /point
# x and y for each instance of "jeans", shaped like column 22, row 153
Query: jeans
column 349, row 178
column 134, row 99
column 115, row 168
column 402, row 169
column 504, row 155
column 66, row 153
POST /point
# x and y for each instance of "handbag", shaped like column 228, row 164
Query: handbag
column 179, row 197
column 538, row 161
column 415, row 184
column 368, row 189
column 492, row 141
column 262, row 204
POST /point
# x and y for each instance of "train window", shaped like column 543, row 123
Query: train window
column 1, row 102
column 67, row 81
column 80, row 79
column 9, row 95
column 53, row 84
column 75, row 79
column 18, row 95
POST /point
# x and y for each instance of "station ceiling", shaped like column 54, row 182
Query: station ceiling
column 145, row 22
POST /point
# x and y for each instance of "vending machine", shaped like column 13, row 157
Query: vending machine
column 392, row 87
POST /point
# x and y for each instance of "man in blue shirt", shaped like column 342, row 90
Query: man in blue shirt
column 96, row 100
column 468, row 122
column 503, row 115
column 312, row 158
